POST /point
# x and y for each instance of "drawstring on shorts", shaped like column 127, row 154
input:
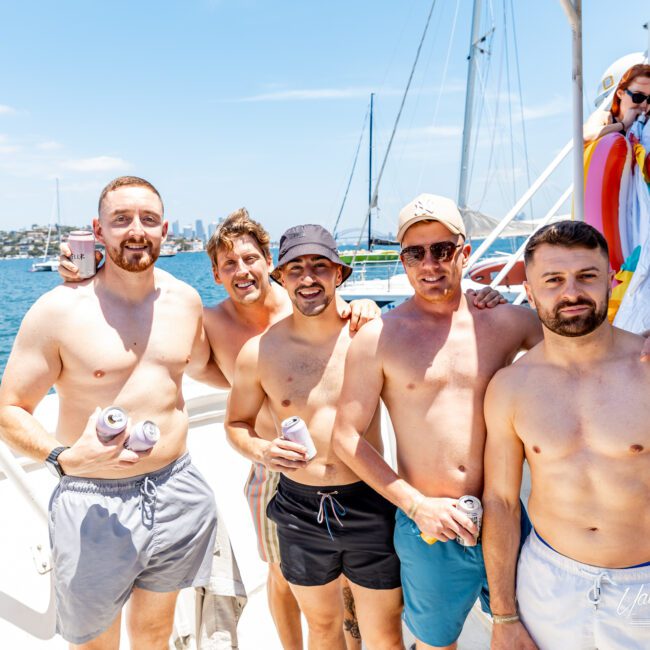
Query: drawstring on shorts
column 148, row 492
column 593, row 595
column 327, row 498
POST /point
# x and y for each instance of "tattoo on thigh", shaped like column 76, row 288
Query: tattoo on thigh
column 350, row 622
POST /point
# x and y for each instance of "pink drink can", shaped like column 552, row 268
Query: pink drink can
column 472, row 508
column 82, row 247
column 144, row 436
column 296, row 430
column 111, row 422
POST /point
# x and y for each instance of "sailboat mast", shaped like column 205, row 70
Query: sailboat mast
column 372, row 99
column 469, row 104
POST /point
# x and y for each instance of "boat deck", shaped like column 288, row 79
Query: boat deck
column 26, row 609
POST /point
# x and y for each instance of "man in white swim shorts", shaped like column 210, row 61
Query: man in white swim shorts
column 576, row 408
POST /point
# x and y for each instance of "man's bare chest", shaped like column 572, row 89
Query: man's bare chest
column 560, row 418
column 122, row 341
column 296, row 375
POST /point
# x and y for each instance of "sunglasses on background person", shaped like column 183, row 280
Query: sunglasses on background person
column 442, row 251
column 637, row 97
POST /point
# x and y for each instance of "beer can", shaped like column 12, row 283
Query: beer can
column 111, row 422
column 82, row 247
column 144, row 436
column 472, row 508
column 296, row 430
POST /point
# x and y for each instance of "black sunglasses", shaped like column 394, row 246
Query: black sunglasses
column 637, row 97
column 442, row 251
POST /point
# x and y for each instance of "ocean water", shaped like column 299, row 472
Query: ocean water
column 20, row 289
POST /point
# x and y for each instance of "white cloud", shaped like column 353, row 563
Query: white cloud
column 49, row 145
column 440, row 131
column 556, row 106
column 6, row 110
column 354, row 92
column 9, row 148
column 97, row 164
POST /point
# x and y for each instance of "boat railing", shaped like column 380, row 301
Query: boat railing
column 373, row 270
column 519, row 253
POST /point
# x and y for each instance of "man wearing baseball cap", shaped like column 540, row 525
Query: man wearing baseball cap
column 329, row 522
column 430, row 361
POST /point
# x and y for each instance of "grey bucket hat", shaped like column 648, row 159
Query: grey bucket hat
column 308, row 239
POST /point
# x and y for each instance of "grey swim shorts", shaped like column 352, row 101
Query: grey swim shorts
column 155, row 531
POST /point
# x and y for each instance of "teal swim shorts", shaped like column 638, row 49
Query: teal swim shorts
column 440, row 581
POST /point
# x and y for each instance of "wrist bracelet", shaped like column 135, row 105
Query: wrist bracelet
column 505, row 618
column 417, row 502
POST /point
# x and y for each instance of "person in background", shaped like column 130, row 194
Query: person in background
column 631, row 99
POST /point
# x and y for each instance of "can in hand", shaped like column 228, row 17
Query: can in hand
column 472, row 508
column 111, row 422
column 143, row 437
column 295, row 430
column 82, row 248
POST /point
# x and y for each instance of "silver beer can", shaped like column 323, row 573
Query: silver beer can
column 295, row 430
column 472, row 508
column 144, row 436
column 111, row 422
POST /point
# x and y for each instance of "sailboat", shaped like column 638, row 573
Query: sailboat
column 50, row 263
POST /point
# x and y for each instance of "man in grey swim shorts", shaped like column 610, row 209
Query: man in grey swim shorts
column 124, row 524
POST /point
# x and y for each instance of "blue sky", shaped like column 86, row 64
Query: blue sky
column 224, row 103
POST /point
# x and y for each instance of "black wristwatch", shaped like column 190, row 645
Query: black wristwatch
column 52, row 463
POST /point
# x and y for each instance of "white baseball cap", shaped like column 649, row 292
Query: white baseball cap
column 430, row 207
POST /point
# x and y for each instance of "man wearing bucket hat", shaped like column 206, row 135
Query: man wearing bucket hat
column 430, row 361
column 329, row 522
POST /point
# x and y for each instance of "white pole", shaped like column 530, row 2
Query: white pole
column 469, row 105
column 514, row 211
column 573, row 10
column 520, row 251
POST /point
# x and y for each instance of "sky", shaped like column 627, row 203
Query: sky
column 230, row 103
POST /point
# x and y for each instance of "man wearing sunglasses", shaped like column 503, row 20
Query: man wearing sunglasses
column 430, row 361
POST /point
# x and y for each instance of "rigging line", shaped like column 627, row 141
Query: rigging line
column 354, row 164
column 521, row 102
column 490, row 169
column 442, row 85
column 512, row 146
column 373, row 200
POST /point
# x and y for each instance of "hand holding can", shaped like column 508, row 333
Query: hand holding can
column 111, row 422
column 144, row 436
column 295, row 429
column 82, row 249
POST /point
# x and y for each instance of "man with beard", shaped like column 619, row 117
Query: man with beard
column 329, row 522
column 430, row 361
column 123, row 524
column 576, row 408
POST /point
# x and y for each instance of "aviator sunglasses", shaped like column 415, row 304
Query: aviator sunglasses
column 637, row 97
column 442, row 251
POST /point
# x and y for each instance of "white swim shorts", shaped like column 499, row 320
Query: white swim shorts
column 565, row 604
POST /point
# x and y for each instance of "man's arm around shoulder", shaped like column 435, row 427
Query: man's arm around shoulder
column 504, row 457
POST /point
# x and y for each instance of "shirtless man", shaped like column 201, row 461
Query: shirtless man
column 430, row 360
column 329, row 523
column 241, row 263
column 122, row 524
column 576, row 408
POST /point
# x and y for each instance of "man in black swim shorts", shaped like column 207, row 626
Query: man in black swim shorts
column 329, row 522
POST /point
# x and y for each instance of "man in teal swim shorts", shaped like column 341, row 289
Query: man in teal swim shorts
column 430, row 361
